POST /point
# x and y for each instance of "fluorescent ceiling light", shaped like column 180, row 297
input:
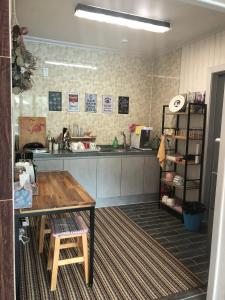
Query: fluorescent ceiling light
column 118, row 18
column 215, row 3
column 58, row 63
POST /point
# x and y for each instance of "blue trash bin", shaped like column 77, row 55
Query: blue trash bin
column 192, row 222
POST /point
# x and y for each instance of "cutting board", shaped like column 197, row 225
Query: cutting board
column 32, row 129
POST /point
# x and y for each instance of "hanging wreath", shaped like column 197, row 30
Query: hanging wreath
column 23, row 62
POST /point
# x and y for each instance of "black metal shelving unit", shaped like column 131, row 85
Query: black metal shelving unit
column 193, row 110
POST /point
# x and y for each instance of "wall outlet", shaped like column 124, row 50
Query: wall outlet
column 45, row 72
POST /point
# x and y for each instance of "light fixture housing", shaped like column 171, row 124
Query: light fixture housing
column 119, row 18
column 64, row 64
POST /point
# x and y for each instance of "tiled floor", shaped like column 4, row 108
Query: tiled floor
column 190, row 248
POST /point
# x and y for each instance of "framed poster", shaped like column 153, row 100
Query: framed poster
column 90, row 103
column 55, row 101
column 123, row 105
column 107, row 104
column 32, row 129
column 73, row 102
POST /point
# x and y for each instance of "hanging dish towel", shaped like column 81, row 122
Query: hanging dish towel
column 162, row 152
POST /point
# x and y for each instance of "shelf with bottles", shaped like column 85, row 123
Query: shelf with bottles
column 179, row 159
column 190, row 109
column 181, row 133
column 183, row 113
column 190, row 184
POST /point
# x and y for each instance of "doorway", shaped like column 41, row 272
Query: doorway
column 215, row 119
column 213, row 145
column 214, row 180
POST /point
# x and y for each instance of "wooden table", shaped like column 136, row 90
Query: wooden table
column 58, row 192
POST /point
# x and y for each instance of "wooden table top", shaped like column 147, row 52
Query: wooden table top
column 58, row 190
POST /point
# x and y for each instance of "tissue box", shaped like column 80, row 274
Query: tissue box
column 22, row 196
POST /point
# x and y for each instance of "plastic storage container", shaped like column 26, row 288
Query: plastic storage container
column 193, row 214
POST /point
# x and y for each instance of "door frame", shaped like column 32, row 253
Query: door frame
column 216, row 287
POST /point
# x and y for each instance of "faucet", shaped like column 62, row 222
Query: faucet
column 124, row 139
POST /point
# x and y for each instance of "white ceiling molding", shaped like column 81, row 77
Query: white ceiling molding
column 29, row 38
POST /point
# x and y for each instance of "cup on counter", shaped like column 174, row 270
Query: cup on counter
column 74, row 146
column 81, row 132
column 81, row 146
column 92, row 146
column 55, row 147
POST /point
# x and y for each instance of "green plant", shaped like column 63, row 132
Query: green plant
column 23, row 62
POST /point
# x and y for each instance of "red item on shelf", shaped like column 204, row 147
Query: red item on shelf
column 86, row 145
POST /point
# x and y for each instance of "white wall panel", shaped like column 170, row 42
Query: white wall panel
column 197, row 57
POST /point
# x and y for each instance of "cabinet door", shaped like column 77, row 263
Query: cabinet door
column 108, row 177
column 151, row 175
column 84, row 171
column 49, row 164
column 132, row 175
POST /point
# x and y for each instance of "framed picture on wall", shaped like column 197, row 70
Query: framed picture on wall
column 73, row 102
column 123, row 105
column 54, row 101
column 107, row 104
column 91, row 103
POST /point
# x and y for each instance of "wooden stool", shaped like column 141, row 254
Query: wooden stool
column 42, row 232
column 44, row 228
column 67, row 229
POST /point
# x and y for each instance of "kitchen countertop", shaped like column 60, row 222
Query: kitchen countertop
column 105, row 151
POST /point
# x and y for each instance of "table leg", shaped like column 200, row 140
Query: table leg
column 91, row 259
column 17, row 256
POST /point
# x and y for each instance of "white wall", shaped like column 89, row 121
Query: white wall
column 197, row 57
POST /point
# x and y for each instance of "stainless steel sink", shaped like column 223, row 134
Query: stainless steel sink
column 126, row 150
column 118, row 150
column 107, row 150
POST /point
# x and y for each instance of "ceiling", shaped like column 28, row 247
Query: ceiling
column 54, row 20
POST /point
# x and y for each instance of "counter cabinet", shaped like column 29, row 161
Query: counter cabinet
column 110, row 177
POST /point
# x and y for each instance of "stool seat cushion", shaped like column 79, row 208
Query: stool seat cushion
column 68, row 226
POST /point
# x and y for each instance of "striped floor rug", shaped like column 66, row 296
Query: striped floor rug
column 129, row 264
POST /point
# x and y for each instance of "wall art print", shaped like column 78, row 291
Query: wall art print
column 73, row 102
column 107, row 104
column 123, row 105
column 90, row 102
column 54, row 101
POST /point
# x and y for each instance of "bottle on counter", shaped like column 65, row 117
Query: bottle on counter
column 49, row 141
column 75, row 130
column 115, row 143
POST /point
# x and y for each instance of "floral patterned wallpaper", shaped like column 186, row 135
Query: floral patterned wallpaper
column 149, row 85
column 116, row 75
column 165, row 85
